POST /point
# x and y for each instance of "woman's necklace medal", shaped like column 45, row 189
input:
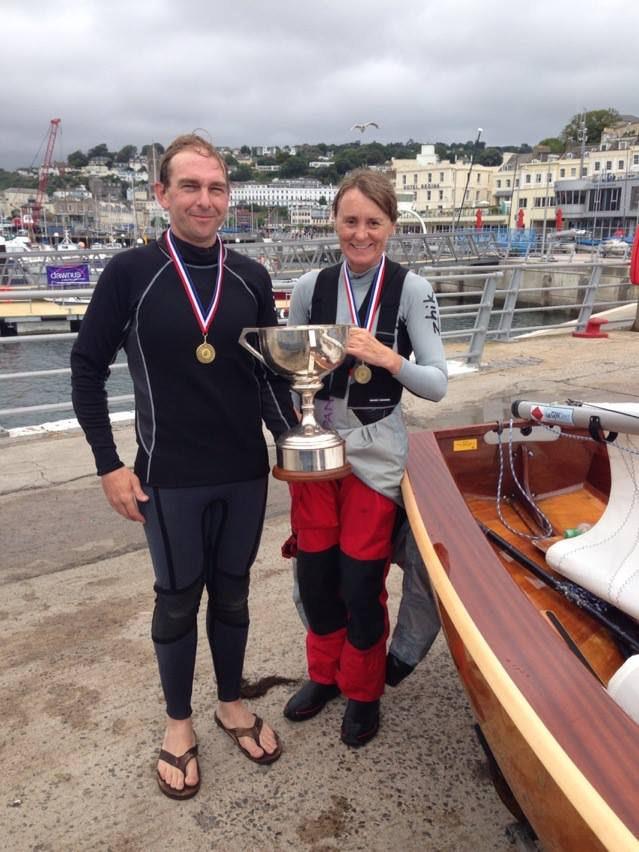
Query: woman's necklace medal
column 205, row 352
column 362, row 373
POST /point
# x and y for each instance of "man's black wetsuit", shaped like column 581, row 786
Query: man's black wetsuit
column 202, row 457
column 196, row 424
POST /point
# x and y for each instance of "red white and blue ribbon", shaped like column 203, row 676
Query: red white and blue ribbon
column 204, row 319
column 376, row 296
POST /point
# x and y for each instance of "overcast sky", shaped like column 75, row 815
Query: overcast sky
column 291, row 71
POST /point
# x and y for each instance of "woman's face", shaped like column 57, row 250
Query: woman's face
column 363, row 230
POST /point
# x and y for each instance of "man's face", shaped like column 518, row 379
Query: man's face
column 197, row 197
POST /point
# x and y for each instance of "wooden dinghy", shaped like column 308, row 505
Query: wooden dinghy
column 538, row 655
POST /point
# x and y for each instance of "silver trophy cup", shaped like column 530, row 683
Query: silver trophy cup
column 304, row 354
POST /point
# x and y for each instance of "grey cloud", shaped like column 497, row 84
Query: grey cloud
column 290, row 72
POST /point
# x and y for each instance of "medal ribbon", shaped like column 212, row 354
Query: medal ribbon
column 204, row 321
column 373, row 305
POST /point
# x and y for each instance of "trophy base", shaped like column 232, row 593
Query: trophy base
column 310, row 475
column 309, row 455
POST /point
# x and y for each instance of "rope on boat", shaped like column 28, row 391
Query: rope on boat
column 547, row 527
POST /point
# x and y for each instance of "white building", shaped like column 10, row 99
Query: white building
column 283, row 193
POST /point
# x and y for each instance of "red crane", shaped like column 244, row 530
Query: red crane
column 45, row 168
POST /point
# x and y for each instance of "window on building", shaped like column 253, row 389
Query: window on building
column 620, row 165
column 562, row 173
column 597, row 165
column 605, row 199
column 478, row 177
column 403, row 180
column 527, row 178
column 635, row 159
column 430, row 177
column 608, row 165
column 441, row 194
column 538, row 178
column 415, row 179
column 634, row 198
column 498, row 184
column 573, row 172
column 517, row 183
column 428, row 194
column 441, row 177
column 523, row 202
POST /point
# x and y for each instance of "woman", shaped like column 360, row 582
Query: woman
column 344, row 527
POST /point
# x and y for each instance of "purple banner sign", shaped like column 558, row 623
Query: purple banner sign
column 68, row 276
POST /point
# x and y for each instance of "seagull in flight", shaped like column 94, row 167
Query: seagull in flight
column 362, row 127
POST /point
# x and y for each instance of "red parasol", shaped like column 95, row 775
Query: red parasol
column 559, row 219
column 479, row 220
column 634, row 260
column 520, row 218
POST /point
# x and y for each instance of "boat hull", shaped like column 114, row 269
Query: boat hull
column 567, row 751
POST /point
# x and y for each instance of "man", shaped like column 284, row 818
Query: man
column 199, row 482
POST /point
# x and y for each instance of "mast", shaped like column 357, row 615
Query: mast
column 472, row 163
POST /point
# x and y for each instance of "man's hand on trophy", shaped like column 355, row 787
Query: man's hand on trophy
column 365, row 347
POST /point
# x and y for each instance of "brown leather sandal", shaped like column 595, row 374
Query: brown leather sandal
column 254, row 733
column 189, row 790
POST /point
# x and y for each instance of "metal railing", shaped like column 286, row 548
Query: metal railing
column 284, row 259
column 477, row 304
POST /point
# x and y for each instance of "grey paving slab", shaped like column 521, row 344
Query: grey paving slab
column 81, row 705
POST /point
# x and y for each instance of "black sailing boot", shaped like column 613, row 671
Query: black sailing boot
column 309, row 700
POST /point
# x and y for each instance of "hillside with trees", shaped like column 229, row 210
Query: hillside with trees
column 340, row 159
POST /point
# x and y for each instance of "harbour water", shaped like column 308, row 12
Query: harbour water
column 54, row 354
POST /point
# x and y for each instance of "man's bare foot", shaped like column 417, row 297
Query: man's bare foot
column 234, row 714
column 179, row 737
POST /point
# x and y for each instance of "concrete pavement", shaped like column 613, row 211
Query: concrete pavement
column 80, row 698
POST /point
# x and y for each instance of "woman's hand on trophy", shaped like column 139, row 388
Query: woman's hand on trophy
column 365, row 347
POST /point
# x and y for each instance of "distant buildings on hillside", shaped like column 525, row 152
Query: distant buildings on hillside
column 594, row 188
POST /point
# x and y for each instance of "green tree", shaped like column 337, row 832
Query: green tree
column 556, row 145
column 77, row 159
column 100, row 150
column 147, row 150
column 242, row 173
column 348, row 160
column 489, row 157
column 294, row 167
column 126, row 153
column 8, row 179
column 245, row 150
column 595, row 121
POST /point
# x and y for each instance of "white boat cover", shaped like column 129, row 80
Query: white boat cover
column 605, row 559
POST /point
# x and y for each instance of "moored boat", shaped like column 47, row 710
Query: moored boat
column 496, row 511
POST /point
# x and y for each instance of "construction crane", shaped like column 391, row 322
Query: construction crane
column 43, row 178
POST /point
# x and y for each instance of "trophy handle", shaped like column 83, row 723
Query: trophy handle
column 244, row 342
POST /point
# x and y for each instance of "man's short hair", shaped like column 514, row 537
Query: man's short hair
column 192, row 142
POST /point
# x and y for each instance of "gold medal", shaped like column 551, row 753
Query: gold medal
column 205, row 353
column 362, row 374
